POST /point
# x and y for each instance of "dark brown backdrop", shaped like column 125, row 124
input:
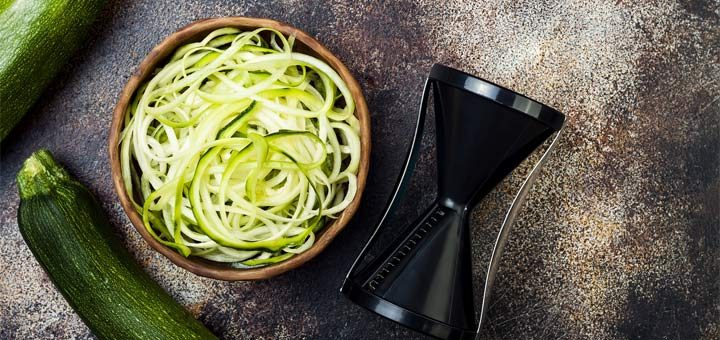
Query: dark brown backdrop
column 620, row 238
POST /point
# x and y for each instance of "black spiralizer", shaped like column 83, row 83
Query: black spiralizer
column 423, row 279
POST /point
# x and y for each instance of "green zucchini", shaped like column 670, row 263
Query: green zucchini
column 37, row 37
column 67, row 231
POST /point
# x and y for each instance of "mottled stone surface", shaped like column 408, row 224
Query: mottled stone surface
column 620, row 238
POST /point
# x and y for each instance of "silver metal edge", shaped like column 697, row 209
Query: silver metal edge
column 506, row 226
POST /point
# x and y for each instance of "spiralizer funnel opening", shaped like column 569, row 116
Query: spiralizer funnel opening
column 423, row 279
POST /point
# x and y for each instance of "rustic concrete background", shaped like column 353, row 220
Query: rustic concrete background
column 620, row 238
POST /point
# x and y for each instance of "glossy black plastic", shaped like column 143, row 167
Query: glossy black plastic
column 424, row 278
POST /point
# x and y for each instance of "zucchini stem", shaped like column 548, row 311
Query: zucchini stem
column 39, row 174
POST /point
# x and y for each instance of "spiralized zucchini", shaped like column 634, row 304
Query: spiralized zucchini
column 239, row 150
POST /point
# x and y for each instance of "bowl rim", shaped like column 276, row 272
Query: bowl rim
column 144, row 70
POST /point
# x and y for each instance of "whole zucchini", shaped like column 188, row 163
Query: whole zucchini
column 37, row 37
column 67, row 231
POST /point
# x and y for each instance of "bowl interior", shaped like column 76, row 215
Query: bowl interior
column 304, row 43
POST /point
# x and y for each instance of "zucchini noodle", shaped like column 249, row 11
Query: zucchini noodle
column 239, row 150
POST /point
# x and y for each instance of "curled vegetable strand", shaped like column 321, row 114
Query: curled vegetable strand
column 239, row 150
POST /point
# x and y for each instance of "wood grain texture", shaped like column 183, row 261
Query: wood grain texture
column 195, row 32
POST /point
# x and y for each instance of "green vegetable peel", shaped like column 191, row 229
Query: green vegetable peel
column 239, row 150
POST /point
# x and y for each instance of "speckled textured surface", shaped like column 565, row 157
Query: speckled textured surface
column 620, row 238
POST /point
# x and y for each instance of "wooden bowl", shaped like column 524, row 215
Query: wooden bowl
column 195, row 32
